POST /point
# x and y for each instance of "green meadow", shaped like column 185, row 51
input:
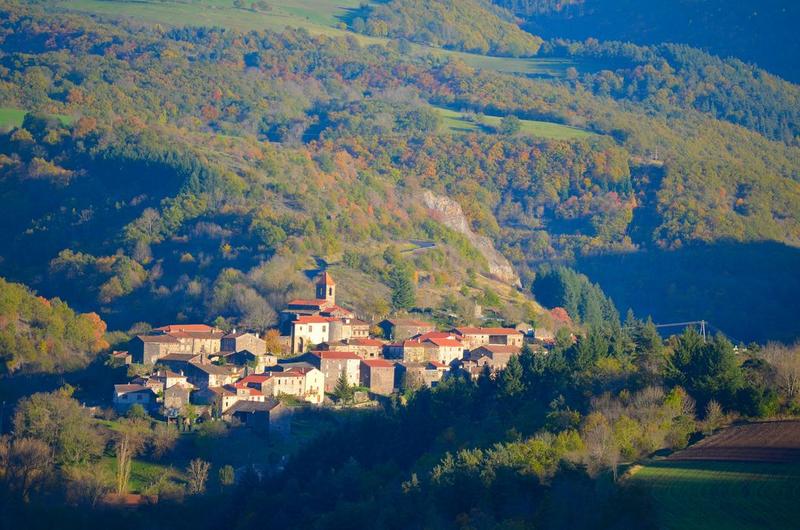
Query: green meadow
column 458, row 122
column 709, row 495
column 11, row 117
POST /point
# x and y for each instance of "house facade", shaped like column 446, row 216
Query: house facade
column 378, row 375
column 241, row 341
column 399, row 329
column 333, row 363
column 476, row 337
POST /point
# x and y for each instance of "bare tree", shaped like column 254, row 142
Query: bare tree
column 130, row 441
column 26, row 463
column 197, row 474
column 786, row 361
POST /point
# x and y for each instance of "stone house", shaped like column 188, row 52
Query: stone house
column 333, row 363
column 269, row 416
column 399, row 329
column 177, row 396
column 366, row 348
column 496, row 356
column 476, row 337
column 211, row 375
column 241, row 341
column 126, row 396
column 378, row 375
column 443, row 350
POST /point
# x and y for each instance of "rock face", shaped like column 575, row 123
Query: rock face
column 448, row 212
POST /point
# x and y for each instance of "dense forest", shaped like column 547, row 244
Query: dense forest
column 37, row 334
column 449, row 24
column 760, row 32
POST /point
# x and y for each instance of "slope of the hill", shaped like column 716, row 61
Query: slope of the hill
column 37, row 334
column 757, row 31
column 196, row 156
column 465, row 25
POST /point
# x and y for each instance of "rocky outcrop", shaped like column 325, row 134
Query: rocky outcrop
column 448, row 212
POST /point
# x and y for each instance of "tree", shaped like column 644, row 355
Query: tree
column 59, row 421
column 343, row 391
column 714, row 419
column 226, row 475
column 196, row 475
column 25, row 464
column 162, row 439
column 130, row 440
column 401, row 282
column 511, row 384
column 509, row 125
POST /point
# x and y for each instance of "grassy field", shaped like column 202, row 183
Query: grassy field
column 11, row 117
column 316, row 16
column 456, row 122
column 723, row 495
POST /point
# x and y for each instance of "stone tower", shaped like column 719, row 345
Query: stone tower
column 326, row 288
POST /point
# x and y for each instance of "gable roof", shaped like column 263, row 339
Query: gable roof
column 252, row 406
column 445, row 342
column 179, row 357
column 334, row 355
column 377, row 363
column 130, row 389
column 157, row 338
column 498, row 348
column 188, row 328
column 311, row 319
column 487, row 331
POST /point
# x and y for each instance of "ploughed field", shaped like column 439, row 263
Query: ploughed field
column 777, row 441
column 745, row 477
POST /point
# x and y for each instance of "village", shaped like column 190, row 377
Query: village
column 322, row 355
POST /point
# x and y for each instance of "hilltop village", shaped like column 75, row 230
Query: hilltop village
column 321, row 354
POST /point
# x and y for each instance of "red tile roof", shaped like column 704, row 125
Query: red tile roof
column 453, row 343
column 434, row 335
column 306, row 302
column 366, row 342
column 487, row 331
column 378, row 363
column 311, row 319
column 194, row 328
column 125, row 389
column 437, row 364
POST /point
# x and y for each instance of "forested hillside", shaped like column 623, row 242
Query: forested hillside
column 449, row 24
column 37, row 334
column 760, row 32
column 196, row 159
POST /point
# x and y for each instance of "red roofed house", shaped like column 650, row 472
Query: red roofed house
column 309, row 331
column 175, row 338
column 443, row 350
column 476, row 337
column 333, row 363
column 378, row 375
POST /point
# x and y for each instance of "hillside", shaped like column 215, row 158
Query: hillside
column 449, row 24
column 760, row 32
column 41, row 335
column 160, row 196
